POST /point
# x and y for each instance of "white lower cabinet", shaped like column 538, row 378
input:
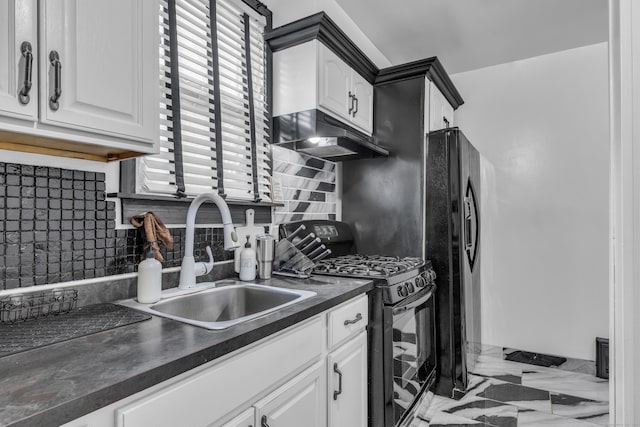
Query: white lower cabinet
column 280, row 381
column 301, row 402
column 348, row 384
column 245, row 419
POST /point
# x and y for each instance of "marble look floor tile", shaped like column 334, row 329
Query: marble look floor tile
column 593, row 411
column 488, row 411
column 503, row 370
column 536, row 419
column 571, row 383
column 587, row 367
column 446, row 419
column 513, row 394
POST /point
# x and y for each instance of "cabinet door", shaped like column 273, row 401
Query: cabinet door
column 18, row 25
column 440, row 111
column 447, row 113
column 435, row 108
column 108, row 74
column 300, row 402
column 347, row 384
column 362, row 114
column 334, row 84
column 245, row 419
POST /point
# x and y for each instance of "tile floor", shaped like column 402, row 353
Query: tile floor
column 504, row 393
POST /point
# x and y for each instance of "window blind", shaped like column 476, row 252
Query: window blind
column 214, row 112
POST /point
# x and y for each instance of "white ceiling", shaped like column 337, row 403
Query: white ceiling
column 471, row 34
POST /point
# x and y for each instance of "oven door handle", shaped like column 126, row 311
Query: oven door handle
column 414, row 303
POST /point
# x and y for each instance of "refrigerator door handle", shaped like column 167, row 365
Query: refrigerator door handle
column 471, row 225
column 468, row 243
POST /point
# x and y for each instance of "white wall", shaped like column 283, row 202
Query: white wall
column 543, row 124
column 285, row 11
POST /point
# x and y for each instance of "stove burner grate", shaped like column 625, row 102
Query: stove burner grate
column 367, row 265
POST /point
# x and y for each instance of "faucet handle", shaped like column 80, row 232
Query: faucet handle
column 202, row 268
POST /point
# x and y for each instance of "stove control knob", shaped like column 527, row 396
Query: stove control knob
column 421, row 282
column 402, row 291
column 410, row 287
column 432, row 275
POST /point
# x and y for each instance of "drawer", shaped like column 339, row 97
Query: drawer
column 348, row 319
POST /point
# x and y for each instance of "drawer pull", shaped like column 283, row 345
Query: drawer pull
column 27, row 53
column 54, row 58
column 351, row 98
column 339, row 372
column 356, row 320
column 264, row 421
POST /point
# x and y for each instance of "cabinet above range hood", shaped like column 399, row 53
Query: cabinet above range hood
column 322, row 91
column 317, row 134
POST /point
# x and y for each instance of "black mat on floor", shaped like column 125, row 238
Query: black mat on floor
column 535, row 358
column 23, row 336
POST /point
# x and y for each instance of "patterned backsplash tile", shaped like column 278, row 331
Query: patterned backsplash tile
column 308, row 186
column 57, row 226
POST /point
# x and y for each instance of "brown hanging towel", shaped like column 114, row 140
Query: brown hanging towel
column 155, row 231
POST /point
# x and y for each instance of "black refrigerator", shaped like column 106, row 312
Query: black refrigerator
column 423, row 200
column 452, row 242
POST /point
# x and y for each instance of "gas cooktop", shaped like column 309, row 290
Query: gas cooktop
column 369, row 266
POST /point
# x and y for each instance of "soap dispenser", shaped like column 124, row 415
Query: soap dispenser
column 149, row 278
column 248, row 262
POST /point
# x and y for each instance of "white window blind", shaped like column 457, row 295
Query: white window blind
column 231, row 66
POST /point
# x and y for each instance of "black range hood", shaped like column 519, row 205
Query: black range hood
column 317, row 134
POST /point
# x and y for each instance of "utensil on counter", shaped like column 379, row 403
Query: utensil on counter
column 322, row 255
column 251, row 230
column 296, row 232
column 308, row 248
column 305, row 240
column 316, row 251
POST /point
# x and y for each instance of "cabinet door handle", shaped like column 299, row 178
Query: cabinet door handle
column 264, row 422
column 445, row 122
column 351, row 98
column 339, row 372
column 54, row 58
column 27, row 53
column 356, row 108
column 356, row 320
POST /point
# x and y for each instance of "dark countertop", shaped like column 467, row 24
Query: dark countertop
column 55, row 384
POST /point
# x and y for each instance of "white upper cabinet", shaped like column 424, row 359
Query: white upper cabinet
column 334, row 84
column 440, row 111
column 310, row 75
column 18, row 45
column 363, row 106
column 96, row 61
column 79, row 78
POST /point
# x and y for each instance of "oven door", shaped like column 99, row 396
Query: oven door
column 412, row 361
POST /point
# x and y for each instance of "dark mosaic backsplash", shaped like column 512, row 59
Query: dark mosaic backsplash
column 56, row 226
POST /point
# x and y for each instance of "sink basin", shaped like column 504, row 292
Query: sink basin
column 222, row 307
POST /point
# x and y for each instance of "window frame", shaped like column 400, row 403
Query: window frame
column 174, row 208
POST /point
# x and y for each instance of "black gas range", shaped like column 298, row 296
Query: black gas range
column 401, row 332
column 398, row 278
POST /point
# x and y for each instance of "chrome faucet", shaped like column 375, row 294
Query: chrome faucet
column 191, row 269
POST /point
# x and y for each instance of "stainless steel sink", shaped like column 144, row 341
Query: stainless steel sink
column 225, row 306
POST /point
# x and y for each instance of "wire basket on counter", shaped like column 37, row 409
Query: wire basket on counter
column 23, row 307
